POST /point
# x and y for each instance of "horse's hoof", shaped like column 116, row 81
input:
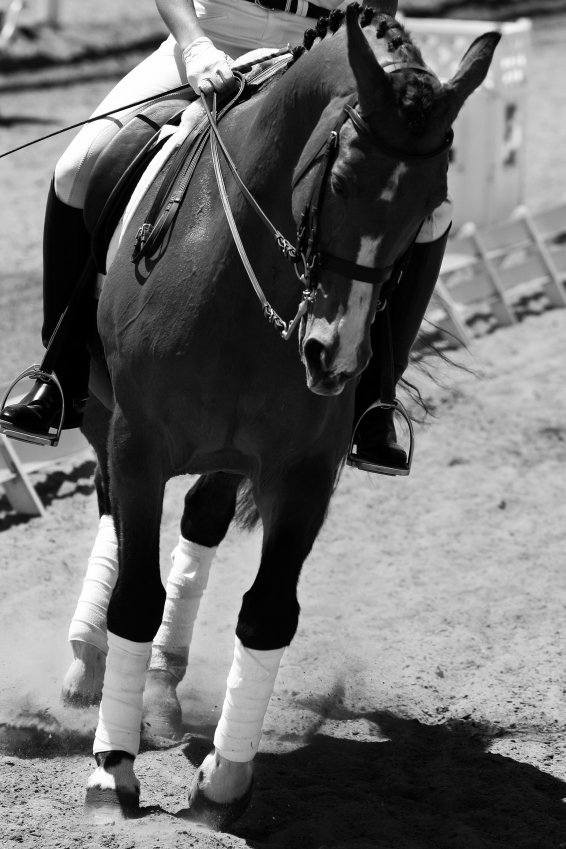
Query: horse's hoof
column 215, row 797
column 82, row 685
column 113, row 791
column 162, row 714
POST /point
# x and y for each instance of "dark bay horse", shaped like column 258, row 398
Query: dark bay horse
column 204, row 385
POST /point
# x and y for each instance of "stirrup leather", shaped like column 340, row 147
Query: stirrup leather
column 35, row 373
column 365, row 465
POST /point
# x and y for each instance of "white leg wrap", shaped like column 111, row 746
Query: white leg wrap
column 185, row 585
column 249, row 688
column 89, row 622
column 120, row 713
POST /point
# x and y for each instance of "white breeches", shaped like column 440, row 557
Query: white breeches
column 235, row 26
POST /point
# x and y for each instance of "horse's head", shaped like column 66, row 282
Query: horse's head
column 380, row 187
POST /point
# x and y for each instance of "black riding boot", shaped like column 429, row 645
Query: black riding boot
column 66, row 247
column 375, row 437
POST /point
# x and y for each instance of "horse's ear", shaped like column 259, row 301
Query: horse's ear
column 471, row 73
column 372, row 82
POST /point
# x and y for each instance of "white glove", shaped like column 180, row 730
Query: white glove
column 207, row 67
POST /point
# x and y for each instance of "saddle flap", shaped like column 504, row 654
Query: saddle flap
column 118, row 168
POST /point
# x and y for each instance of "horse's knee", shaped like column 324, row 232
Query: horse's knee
column 136, row 608
column 267, row 623
column 102, row 491
column 209, row 508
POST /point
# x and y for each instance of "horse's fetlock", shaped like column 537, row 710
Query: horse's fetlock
column 162, row 713
column 82, row 685
column 221, row 790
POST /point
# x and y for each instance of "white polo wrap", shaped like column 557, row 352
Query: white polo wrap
column 249, row 688
column 119, row 717
column 185, row 585
column 89, row 622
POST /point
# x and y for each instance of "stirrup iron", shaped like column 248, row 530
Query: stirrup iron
column 367, row 466
column 35, row 373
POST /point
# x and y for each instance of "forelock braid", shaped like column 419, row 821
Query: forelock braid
column 309, row 38
column 367, row 16
column 332, row 23
column 335, row 20
column 382, row 27
column 322, row 27
column 416, row 100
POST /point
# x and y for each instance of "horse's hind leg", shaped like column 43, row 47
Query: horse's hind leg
column 82, row 684
column 134, row 616
column 292, row 506
column 209, row 509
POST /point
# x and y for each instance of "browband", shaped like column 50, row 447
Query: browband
column 367, row 131
column 392, row 66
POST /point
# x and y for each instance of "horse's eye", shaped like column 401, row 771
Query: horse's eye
column 338, row 185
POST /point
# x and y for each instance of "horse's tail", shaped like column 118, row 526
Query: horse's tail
column 247, row 515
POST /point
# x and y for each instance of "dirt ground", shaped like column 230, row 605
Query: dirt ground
column 422, row 703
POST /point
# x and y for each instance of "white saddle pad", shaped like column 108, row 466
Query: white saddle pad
column 191, row 116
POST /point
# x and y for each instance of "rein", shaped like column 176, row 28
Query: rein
column 306, row 250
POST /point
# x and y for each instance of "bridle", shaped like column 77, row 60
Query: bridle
column 306, row 252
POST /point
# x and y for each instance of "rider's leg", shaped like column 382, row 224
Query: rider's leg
column 375, row 437
column 67, row 243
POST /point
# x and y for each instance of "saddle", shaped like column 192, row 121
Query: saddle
column 119, row 169
column 122, row 163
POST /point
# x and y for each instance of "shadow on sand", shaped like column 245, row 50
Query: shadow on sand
column 414, row 786
column 425, row 787
column 57, row 484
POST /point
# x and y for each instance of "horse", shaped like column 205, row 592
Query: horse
column 204, row 385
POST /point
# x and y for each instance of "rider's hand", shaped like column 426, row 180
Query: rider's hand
column 207, row 68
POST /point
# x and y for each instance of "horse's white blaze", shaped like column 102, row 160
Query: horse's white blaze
column 352, row 321
column 389, row 192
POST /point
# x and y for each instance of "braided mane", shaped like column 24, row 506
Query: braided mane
column 414, row 94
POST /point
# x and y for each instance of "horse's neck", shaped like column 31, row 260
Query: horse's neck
column 290, row 112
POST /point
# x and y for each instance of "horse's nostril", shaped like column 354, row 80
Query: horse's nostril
column 314, row 352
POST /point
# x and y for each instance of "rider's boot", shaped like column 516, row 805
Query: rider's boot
column 66, row 246
column 375, row 435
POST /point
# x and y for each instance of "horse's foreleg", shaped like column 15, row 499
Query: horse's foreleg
column 209, row 509
column 82, row 685
column 134, row 615
column 292, row 510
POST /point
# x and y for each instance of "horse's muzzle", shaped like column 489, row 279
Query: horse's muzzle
column 320, row 379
